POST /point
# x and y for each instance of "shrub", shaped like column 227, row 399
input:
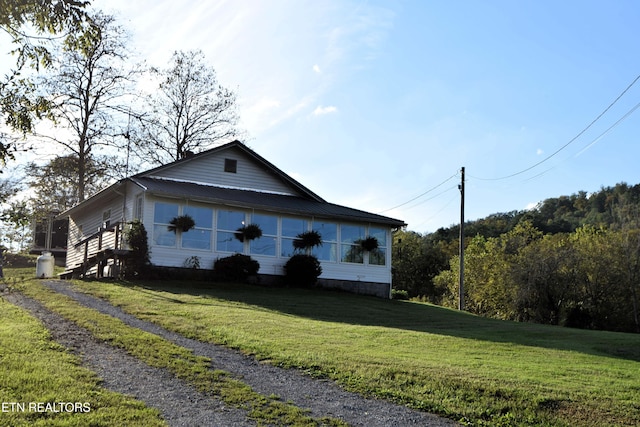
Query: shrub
column 236, row 268
column 302, row 270
column 400, row 294
column 137, row 263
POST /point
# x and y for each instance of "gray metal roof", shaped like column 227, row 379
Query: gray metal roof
column 272, row 202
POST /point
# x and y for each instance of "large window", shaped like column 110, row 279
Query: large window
column 378, row 256
column 350, row 237
column 328, row 251
column 162, row 214
column 227, row 226
column 291, row 227
column 266, row 244
column 198, row 237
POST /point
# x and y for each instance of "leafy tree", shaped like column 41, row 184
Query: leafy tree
column 546, row 277
column 189, row 112
column 31, row 24
column 8, row 188
column 54, row 184
column 416, row 261
column 85, row 90
column 17, row 220
column 602, row 294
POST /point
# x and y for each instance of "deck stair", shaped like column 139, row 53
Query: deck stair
column 96, row 257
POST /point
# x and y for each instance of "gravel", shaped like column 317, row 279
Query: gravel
column 182, row 405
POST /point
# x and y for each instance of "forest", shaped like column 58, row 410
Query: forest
column 572, row 261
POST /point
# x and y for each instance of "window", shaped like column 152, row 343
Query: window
column 329, row 233
column 228, row 223
column 138, row 211
column 106, row 218
column 198, row 237
column 350, row 236
column 266, row 244
column 291, row 227
column 379, row 255
column 230, row 165
column 162, row 214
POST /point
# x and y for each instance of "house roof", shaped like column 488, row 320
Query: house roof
column 304, row 202
column 266, row 201
column 299, row 188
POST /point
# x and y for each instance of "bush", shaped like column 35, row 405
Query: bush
column 236, row 268
column 400, row 294
column 302, row 270
column 137, row 264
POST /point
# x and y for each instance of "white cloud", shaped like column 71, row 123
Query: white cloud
column 320, row 110
column 316, row 68
column 539, row 151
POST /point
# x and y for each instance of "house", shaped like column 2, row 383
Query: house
column 223, row 189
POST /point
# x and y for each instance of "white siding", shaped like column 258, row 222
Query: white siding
column 87, row 221
column 271, row 265
column 210, row 170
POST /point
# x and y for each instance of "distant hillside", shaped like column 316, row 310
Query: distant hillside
column 562, row 214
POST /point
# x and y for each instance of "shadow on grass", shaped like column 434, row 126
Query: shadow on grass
column 334, row 306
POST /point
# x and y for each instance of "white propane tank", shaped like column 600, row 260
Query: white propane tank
column 44, row 265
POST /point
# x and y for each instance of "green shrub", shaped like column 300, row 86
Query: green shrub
column 399, row 294
column 137, row 264
column 302, row 270
column 235, row 268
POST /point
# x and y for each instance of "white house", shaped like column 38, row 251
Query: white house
column 223, row 189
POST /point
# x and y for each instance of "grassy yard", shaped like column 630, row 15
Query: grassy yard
column 475, row 370
column 479, row 371
column 36, row 372
column 160, row 353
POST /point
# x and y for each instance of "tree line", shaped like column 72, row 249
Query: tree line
column 571, row 261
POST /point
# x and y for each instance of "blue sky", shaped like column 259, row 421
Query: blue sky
column 373, row 103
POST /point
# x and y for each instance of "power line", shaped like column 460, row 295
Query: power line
column 572, row 139
column 420, row 195
column 595, row 140
column 422, row 202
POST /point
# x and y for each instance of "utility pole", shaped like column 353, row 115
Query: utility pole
column 461, row 277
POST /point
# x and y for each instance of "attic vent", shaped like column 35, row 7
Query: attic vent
column 230, row 165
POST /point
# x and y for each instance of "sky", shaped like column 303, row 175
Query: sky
column 377, row 105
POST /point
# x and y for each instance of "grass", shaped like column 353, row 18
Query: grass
column 161, row 353
column 34, row 370
column 474, row 370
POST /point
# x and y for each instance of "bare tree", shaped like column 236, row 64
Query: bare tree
column 190, row 112
column 87, row 93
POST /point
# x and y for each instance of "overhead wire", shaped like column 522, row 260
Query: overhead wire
column 423, row 194
column 594, row 141
column 572, row 140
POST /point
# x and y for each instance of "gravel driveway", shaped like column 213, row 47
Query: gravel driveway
column 182, row 405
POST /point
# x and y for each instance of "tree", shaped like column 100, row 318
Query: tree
column 546, row 278
column 54, row 184
column 17, row 224
column 416, row 261
column 190, row 111
column 85, row 91
column 19, row 103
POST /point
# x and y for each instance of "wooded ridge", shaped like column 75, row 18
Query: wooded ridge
column 572, row 261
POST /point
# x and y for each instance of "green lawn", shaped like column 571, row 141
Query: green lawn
column 479, row 371
column 34, row 372
column 161, row 353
